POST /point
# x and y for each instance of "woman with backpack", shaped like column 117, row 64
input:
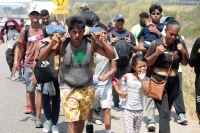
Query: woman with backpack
column 165, row 54
column 50, row 92
column 8, row 35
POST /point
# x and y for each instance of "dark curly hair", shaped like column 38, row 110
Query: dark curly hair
column 154, row 7
column 144, row 14
column 75, row 22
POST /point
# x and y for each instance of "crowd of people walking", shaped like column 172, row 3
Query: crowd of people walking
column 93, row 66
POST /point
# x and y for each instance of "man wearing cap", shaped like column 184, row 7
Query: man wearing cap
column 35, row 34
column 85, row 7
column 121, row 69
column 111, row 26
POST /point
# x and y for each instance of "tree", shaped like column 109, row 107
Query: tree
column 20, row 10
column 7, row 9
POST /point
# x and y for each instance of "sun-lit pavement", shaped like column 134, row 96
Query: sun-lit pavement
column 13, row 119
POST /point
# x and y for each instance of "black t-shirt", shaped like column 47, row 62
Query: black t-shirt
column 164, row 60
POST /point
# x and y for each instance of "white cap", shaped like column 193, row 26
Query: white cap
column 33, row 9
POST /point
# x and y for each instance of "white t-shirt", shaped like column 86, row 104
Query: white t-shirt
column 135, row 95
column 11, row 37
column 102, row 66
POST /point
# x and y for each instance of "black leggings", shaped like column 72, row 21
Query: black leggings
column 197, row 89
column 51, row 111
column 164, row 105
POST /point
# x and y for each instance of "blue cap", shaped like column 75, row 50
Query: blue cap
column 119, row 16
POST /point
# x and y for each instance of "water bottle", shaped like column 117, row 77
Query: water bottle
column 123, row 86
column 96, row 81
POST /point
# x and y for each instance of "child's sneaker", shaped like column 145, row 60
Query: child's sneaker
column 47, row 126
column 54, row 129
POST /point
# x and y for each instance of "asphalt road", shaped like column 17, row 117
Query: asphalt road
column 13, row 119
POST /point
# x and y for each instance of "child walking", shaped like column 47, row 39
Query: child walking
column 137, row 87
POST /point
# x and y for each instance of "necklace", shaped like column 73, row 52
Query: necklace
column 59, row 3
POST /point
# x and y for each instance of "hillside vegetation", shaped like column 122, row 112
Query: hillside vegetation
column 188, row 16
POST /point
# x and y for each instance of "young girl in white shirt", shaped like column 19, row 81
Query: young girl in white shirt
column 137, row 87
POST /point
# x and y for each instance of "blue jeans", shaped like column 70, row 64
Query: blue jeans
column 51, row 111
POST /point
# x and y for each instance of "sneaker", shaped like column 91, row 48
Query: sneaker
column 182, row 119
column 151, row 126
column 89, row 129
column 13, row 78
column 54, row 129
column 98, row 122
column 33, row 116
column 38, row 124
column 116, row 107
column 47, row 126
column 28, row 109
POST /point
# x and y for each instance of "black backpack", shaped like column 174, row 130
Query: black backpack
column 123, row 48
column 44, row 70
column 90, row 17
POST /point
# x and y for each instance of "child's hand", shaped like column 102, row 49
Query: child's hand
column 141, row 75
column 102, row 78
column 123, row 93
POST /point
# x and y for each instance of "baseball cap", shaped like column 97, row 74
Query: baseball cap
column 119, row 16
column 10, row 23
column 34, row 9
column 163, row 19
column 85, row 6
column 110, row 24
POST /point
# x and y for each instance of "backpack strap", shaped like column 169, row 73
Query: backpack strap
column 120, row 36
column 127, row 33
column 93, row 44
column 93, row 49
column 44, row 30
column 27, row 28
column 7, row 34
